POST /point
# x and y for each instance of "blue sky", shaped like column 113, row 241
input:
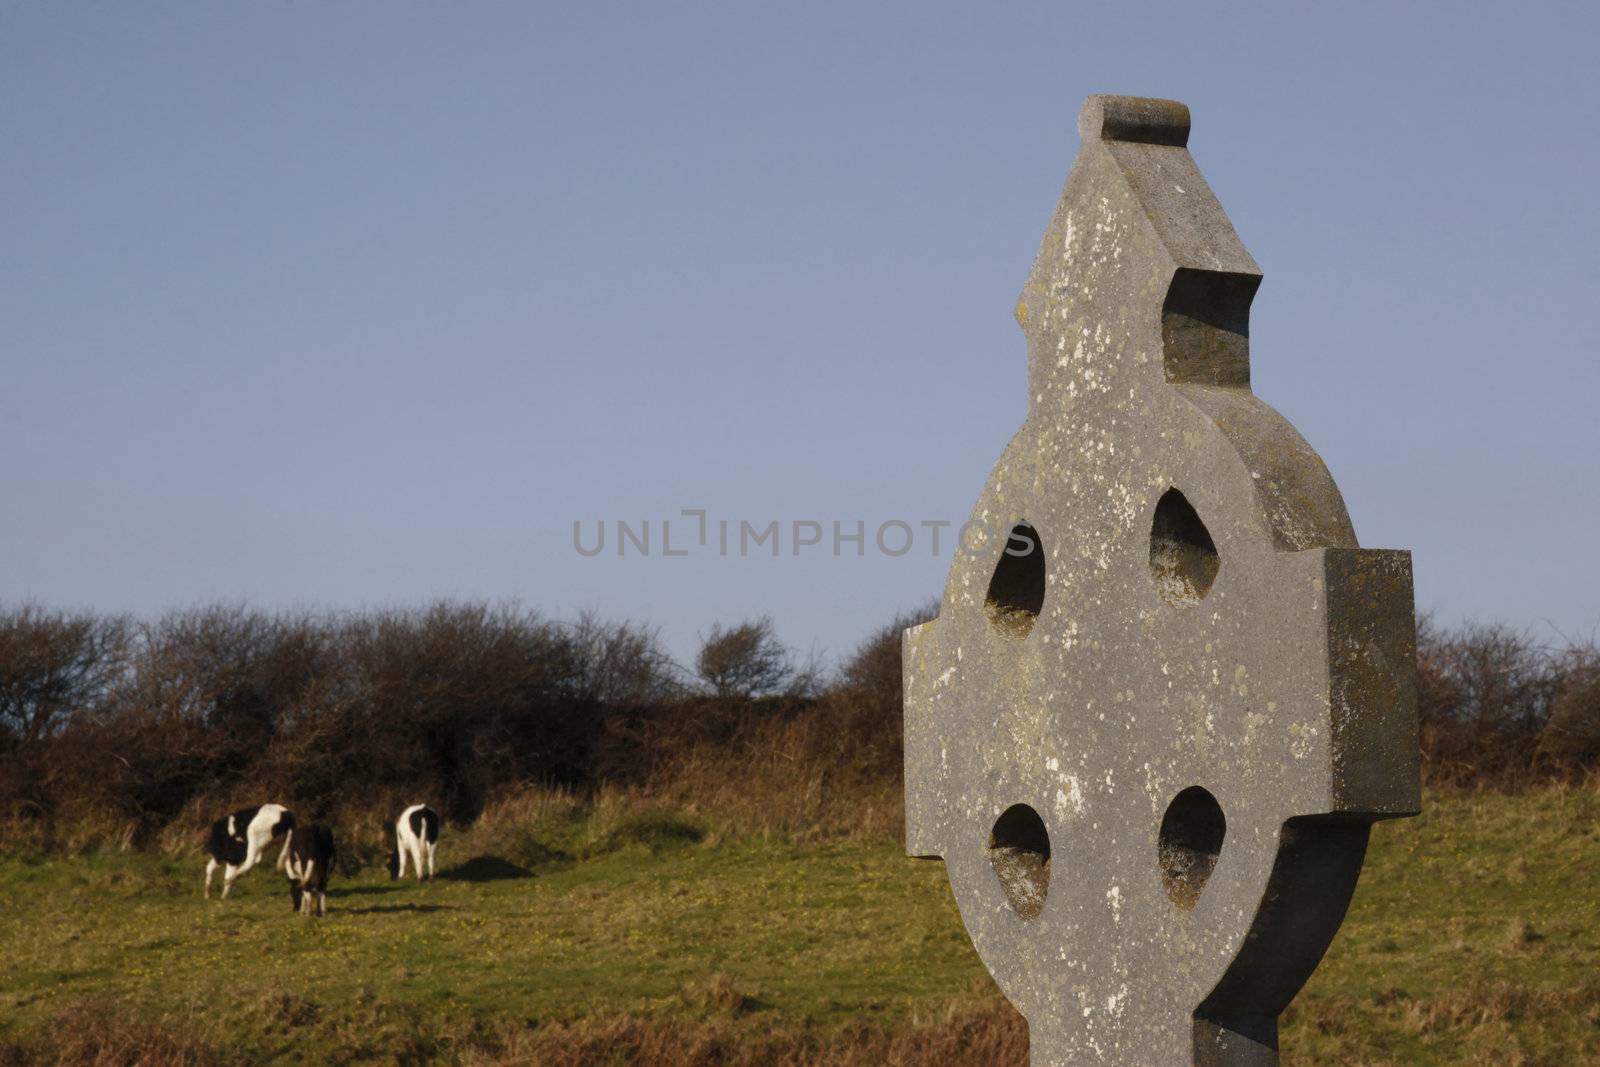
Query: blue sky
column 349, row 305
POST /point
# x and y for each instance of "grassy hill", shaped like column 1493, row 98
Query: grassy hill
column 637, row 934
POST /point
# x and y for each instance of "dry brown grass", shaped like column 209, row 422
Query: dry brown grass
column 995, row 1037
column 1481, row 1020
column 788, row 780
column 106, row 1033
column 99, row 1034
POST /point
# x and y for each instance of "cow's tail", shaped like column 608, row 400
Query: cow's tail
column 286, row 825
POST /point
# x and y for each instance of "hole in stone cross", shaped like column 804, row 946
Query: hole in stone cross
column 1016, row 592
column 1019, row 850
column 1191, row 840
column 1183, row 559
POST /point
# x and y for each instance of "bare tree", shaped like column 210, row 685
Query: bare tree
column 746, row 661
column 872, row 674
column 54, row 664
column 1573, row 732
column 621, row 663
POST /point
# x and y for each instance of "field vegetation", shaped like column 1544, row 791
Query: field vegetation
column 622, row 931
column 653, row 865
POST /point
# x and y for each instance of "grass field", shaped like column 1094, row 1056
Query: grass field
column 654, row 938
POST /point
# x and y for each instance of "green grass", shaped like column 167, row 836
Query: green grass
column 1474, row 937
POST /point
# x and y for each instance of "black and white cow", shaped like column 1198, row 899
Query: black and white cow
column 238, row 840
column 416, row 835
column 310, row 861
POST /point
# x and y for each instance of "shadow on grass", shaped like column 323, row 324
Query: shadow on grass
column 387, row 909
column 484, row 869
column 361, row 890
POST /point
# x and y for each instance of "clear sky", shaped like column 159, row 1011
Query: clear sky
column 342, row 305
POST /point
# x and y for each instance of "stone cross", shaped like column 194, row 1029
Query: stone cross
column 1166, row 694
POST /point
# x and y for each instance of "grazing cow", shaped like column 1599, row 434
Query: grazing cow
column 238, row 840
column 310, row 859
column 416, row 834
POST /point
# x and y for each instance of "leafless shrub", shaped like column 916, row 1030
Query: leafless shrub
column 746, row 661
column 622, row 664
column 1500, row 710
column 115, row 734
column 869, row 694
column 1571, row 738
column 52, row 664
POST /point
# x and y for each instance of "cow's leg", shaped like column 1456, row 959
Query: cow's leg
column 433, row 847
column 211, row 868
column 417, row 847
column 309, row 883
column 250, row 860
column 229, row 873
column 402, row 849
column 322, row 903
column 235, row 873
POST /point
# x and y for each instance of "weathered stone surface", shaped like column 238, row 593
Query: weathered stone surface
column 1151, row 750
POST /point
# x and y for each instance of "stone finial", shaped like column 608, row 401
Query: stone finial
column 1166, row 694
